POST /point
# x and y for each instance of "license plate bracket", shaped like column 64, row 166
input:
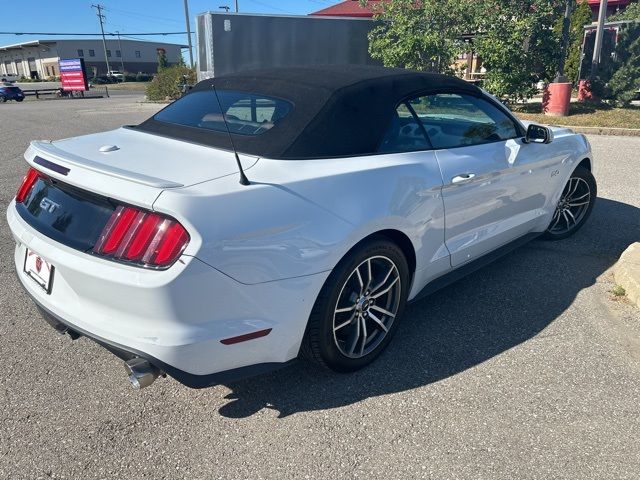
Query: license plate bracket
column 39, row 270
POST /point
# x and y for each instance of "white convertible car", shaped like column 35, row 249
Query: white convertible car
column 283, row 213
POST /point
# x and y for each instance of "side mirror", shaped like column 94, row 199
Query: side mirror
column 538, row 134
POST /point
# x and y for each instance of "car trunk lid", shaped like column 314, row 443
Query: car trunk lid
column 84, row 179
column 145, row 158
column 131, row 166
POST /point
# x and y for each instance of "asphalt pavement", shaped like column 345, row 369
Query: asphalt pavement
column 527, row 369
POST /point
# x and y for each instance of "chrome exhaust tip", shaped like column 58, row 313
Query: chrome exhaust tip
column 141, row 373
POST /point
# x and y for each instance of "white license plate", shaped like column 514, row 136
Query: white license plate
column 39, row 270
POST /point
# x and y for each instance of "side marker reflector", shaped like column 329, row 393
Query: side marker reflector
column 248, row 336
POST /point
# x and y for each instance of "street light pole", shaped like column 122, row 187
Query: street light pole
column 236, row 6
column 186, row 16
column 101, row 17
column 121, row 53
column 597, row 47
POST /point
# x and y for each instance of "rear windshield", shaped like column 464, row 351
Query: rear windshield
column 246, row 113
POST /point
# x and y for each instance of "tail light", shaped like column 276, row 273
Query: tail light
column 142, row 237
column 28, row 182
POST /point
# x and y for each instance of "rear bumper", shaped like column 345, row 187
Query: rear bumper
column 177, row 318
column 127, row 353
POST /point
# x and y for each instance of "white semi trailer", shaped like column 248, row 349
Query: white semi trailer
column 230, row 42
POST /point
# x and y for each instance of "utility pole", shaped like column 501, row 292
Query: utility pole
column 597, row 47
column 121, row 53
column 236, row 6
column 101, row 17
column 186, row 16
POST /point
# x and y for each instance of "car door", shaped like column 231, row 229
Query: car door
column 420, row 199
column 493, row 185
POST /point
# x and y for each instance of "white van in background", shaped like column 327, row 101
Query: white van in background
column 9, row 77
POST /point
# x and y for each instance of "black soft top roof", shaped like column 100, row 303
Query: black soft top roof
column 339, row 110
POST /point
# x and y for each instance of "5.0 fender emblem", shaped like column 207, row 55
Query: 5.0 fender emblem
column 554, row 173
column 48, row 205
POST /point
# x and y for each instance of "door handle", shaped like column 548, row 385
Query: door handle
column 462, row 178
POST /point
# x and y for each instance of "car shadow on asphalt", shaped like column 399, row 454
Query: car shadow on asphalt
column 463, row 325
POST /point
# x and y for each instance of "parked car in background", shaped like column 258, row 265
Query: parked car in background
column 294, row 211
column 102, row 80
column 9, row 77
column 8, row 91
column 119, row 76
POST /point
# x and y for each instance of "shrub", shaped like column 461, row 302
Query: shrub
column 580, row 17
column 166, row 85
column 624, row 84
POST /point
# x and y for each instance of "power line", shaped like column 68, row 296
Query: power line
column 53, row 34
column 324, row 3
column 142, row 15
column 142, row 39
column 271, row 7
column 123, row 27
column 130, row 37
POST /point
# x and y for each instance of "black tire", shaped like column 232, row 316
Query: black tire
column 580, row 174
column 320, row 344
column 19, row 99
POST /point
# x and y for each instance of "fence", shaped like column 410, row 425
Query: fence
column 60, row 93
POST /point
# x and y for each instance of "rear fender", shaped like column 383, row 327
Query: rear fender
column 301, row 217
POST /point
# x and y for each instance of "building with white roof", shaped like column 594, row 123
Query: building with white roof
column 39, row 58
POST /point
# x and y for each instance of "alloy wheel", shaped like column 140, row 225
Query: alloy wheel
column 572, row 206
column 367, row 306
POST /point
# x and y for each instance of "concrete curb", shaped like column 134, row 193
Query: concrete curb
column 624, row 132
column 627, row 272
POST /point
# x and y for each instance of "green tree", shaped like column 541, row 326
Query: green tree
column 514, row 38
column 580, row 17
column 625, row 81
column 632, row 12
column 424, row 35
column 517, row 43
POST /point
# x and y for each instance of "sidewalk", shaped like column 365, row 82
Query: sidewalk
column 627, row 272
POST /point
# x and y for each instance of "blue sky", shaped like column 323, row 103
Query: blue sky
column 131, row 16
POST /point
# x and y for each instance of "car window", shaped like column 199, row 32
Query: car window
column 246, row 114
column 253, row 110
column 404, row 134
column 453, row 120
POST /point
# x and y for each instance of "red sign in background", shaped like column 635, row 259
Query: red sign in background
column 72, row 74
